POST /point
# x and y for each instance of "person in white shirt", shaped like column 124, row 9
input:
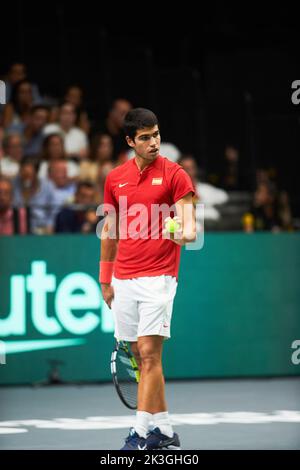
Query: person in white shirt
column 205, row 193
column 75, row 140
column 53, row 149
column 13, row 153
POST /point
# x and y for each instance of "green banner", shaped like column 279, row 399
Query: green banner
column 236, row 313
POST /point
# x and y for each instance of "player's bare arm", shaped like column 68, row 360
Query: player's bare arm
column 186, row 219
column 109, row 245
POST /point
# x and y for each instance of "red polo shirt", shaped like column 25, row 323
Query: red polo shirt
column 136, row 196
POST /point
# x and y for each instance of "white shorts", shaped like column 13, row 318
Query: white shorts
column 143, row 306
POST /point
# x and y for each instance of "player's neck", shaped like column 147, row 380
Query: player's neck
column 142, row 163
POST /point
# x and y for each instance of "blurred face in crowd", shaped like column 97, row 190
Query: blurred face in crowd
column 231, row 154
column 74, row 96
column 67, row 116
column 16, row 73
column 28, row 175
column 55, row 147
column 103, row 171
column 146, row 143
column 25, row 94
column 263, row 195
column 5, row 195
column 189, row 165
column 14, row 148
column 262, row 176
column 39, row 119
column 85, row 195
column 104, row 149
column 58, row 173
column 118, row 112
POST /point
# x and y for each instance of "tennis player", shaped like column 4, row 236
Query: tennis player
column 139, row 266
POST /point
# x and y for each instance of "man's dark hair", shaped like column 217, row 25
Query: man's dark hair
column 84, row 184
column 30, row 160
column 138, row 118
column 39, row 107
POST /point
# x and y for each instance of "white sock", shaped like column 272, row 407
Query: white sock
column 142, row 423
column 162, row 421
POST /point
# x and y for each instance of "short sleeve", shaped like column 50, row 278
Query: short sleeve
column 109, row 198
column 181, row 184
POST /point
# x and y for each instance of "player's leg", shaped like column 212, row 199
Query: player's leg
column 151, row 396
column 155, row 309
column 151, row 390
column 126, row 318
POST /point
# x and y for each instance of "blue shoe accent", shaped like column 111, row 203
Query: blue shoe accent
column 157, row 440
column 134, row 441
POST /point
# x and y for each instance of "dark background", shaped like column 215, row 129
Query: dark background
column 215, row 76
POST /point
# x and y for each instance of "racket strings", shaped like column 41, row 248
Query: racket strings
column 127, row 378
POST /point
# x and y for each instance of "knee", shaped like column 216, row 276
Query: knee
column 149, row 358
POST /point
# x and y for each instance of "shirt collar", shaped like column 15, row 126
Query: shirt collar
column 154, row 164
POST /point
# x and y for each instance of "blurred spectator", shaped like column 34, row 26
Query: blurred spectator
column 53, row 149
column 36, row 194
column 75, row 140
column 264, row 209
column 231, row 177
column 16, row 113
column 285, row 212
column 205, row 193
column 12, row 221
column 74, row 95
column 17, row 72
column 101, row 153
column 103, row 171
column 81, row 218
column 113, row 126
column 13, row 153
column 1, row 143
column 33, row 132
column 64, row 189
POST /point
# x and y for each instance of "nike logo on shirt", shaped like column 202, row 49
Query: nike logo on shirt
column 121, row 185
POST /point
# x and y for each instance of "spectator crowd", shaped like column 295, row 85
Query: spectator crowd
column 54, row 161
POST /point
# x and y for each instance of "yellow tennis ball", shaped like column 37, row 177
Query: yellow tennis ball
column 172, row 226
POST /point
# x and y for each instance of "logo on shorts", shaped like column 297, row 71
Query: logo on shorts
column 121, row 185
column 156, row 181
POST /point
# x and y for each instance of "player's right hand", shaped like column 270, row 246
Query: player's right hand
column 108, row 293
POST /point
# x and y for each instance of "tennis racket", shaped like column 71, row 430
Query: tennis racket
column 125, row 374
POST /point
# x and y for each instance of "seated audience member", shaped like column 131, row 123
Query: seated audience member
column 264, row 209
column 205, row 193
column 64, row 188
column 36, row 194
column 53, row 149
column 285, row 212
column 75, row 140
column 113, row 125
column 33, row 132
column 74, row 95
column 2, row 133
column 17, row 72
column 82, row 217
column 13, row 154
column 12, row 221
column 101, row 153
column 103, row 171
column 16, row 113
